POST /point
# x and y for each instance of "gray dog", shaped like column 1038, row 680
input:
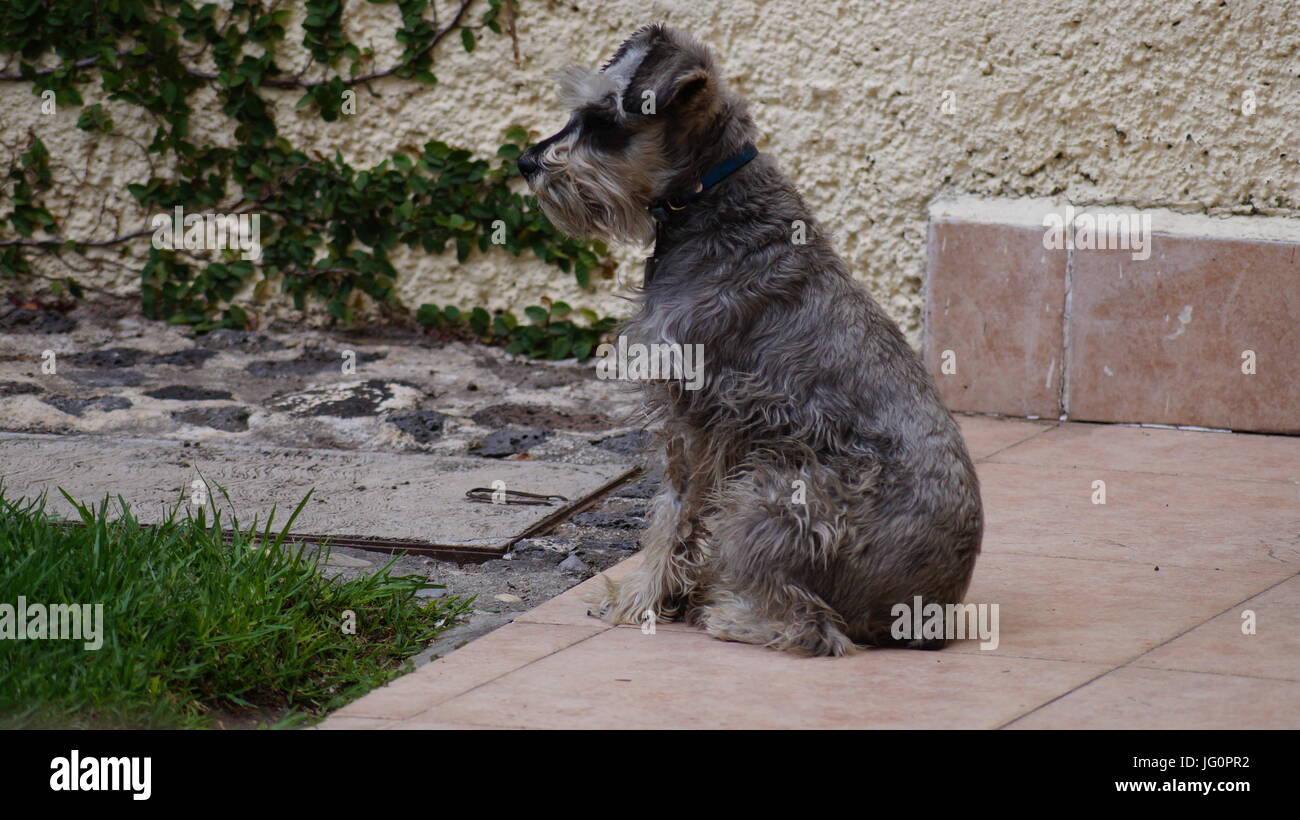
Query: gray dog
column 814, row 479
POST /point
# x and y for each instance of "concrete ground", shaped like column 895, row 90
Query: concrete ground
column 1173, row 604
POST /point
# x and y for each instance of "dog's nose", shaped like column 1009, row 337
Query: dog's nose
column 527, row 164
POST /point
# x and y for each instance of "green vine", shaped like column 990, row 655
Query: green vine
column 550, row 335
column 327, row 229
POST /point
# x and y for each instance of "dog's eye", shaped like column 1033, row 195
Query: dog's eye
column 598, row 120
column 604, row 132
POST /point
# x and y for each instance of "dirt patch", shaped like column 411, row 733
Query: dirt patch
column 240, row 340
column 343, row 401
column 628, row 444
column 26, row 320
column 107, row 378
column 110, row 358
column 422, row 425
column 504, row 443
column 545, row 418
column 229, row 419
column 75, row 407
column 19, row 388
column 534, row 378
column 312, row 360
column 191, row 357
column 183, row 392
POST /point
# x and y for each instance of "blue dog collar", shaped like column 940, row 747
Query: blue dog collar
column 661, row 210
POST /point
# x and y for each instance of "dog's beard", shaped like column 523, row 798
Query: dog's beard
column 585, row 197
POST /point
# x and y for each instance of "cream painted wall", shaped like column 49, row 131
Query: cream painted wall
column 1103, row 102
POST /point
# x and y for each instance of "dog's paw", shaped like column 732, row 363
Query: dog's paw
column 824, row 641
column 601, row 601
column 608, row 603
column 812, row 637
column 625, row 602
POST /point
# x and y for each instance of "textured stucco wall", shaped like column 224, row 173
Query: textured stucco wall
column 1104, row 102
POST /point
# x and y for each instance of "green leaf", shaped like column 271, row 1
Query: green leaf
column 428, row 315
column 467, row 38
column 559, row 348
column 478, row 320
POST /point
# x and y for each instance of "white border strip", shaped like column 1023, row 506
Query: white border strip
column 1028, row 212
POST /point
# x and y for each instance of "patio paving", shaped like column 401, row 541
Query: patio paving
column 1123, row 614
column 411, row 496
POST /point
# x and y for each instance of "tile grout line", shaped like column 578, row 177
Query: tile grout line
column 1146, row 652
column 927, row 287
column 1222, row 612
column 988, row 459
column 1215, row 674
column 1048, row 428
column 1050, row 701
column 994, row 656
column 1123, row 562
column 1063, row 393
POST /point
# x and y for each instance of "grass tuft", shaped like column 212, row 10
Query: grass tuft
column 197, row 629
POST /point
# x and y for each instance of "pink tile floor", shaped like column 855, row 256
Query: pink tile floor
column 1127, row 614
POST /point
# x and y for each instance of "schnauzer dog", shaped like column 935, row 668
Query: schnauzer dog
column 813, row 478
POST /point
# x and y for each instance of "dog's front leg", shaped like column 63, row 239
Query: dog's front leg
column 673, row 546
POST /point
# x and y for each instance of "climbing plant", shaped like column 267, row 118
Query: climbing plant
column 327, row 228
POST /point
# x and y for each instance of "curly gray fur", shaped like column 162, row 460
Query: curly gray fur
column 807, row 382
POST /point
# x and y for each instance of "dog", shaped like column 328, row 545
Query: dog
column 814, row 480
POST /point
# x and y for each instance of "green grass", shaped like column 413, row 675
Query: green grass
column 195, row 627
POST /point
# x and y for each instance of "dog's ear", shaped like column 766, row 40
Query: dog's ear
column 668, row 70
column 681, row 90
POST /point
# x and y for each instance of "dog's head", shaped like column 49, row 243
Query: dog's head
column 646, row 124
